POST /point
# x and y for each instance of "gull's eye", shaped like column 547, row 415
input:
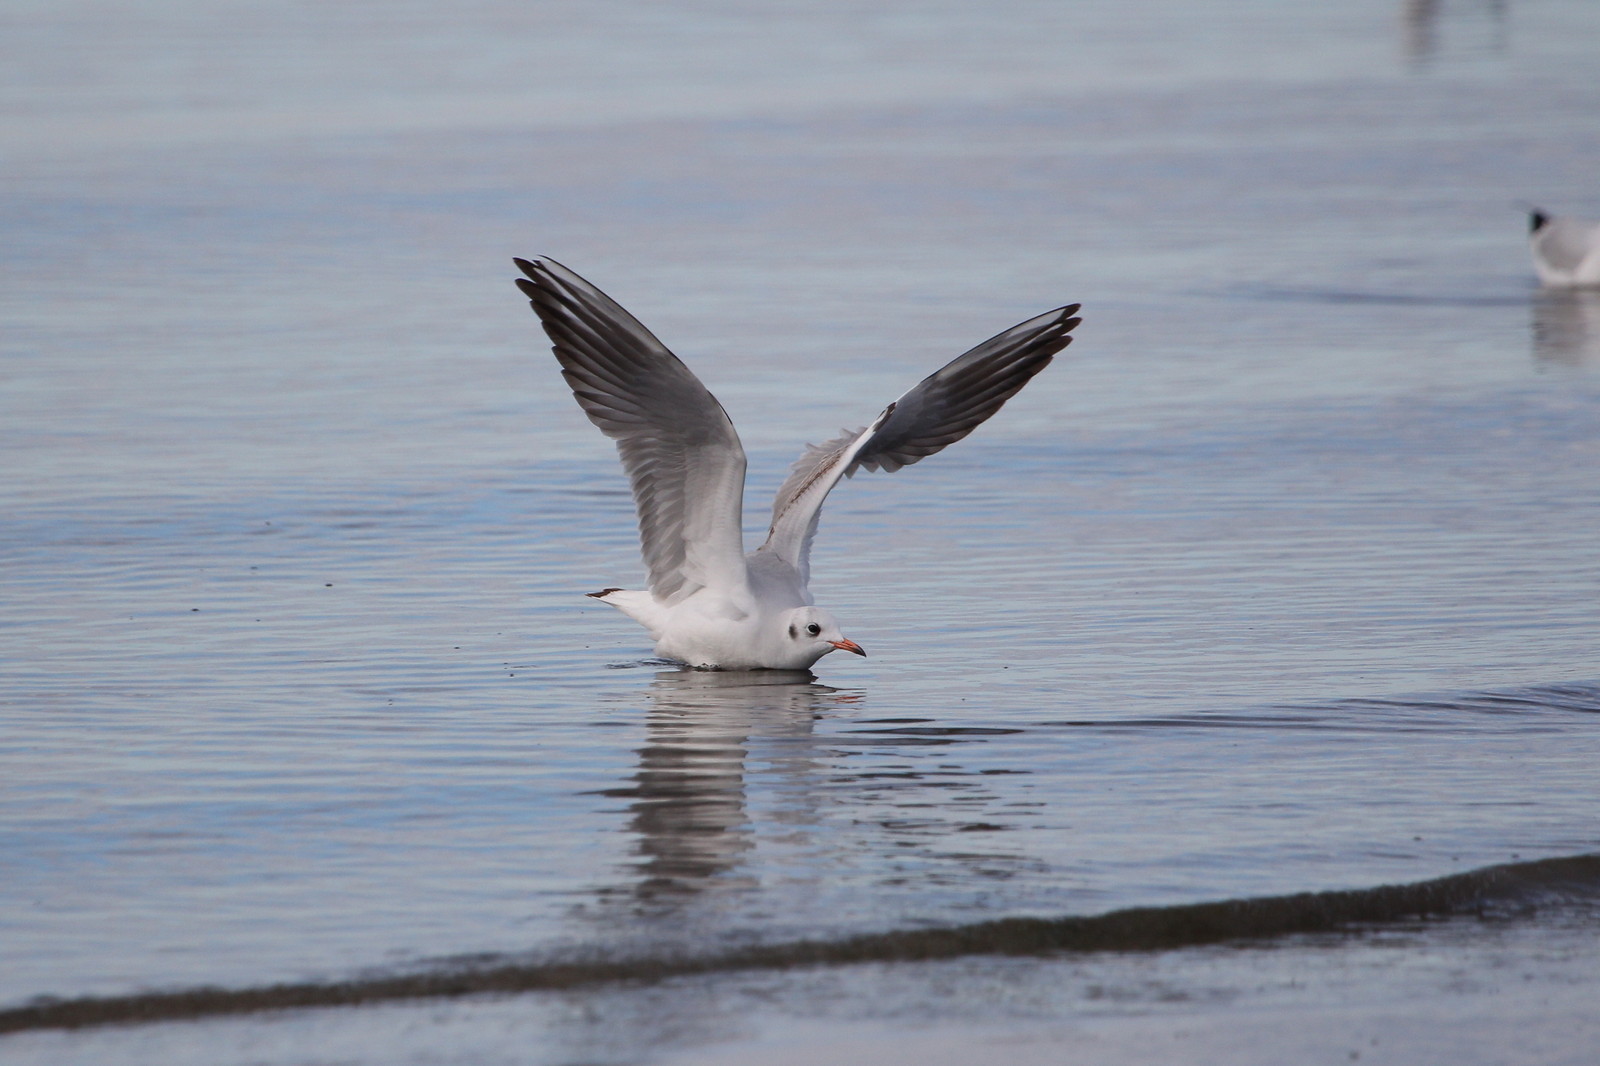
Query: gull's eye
column 813, row 629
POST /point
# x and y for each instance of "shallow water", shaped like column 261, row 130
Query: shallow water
column 1282, row 579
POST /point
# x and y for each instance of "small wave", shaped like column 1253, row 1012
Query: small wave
column 1355, row 296
column 1569, row 696
column 1512, row 889
column 1405, row 712
column 642, row 664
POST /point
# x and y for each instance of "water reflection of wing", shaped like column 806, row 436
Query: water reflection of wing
column 1418, row 30
column 688, row 796
column 1420, row 26
column 1566, row 327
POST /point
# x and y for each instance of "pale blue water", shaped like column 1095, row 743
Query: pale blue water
column 1282, row 579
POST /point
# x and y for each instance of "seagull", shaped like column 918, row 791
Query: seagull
column 1566, row 251
column 711, row 605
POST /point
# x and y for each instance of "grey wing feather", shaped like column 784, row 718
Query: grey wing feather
column 676, row 442
column 942, row 408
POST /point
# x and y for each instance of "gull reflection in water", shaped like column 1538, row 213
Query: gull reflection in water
column 688, row 797
column 1566, row 327
column 1420, row 27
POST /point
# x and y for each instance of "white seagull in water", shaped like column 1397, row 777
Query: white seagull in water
column 711, row 604
column 1566, row 251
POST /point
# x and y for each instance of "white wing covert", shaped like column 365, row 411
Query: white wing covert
column 940, row 410
column 678, row 446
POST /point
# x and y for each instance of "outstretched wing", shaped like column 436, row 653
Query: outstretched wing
column 677, row 444
column 940, row 410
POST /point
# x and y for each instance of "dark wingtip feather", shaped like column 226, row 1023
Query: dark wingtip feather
column 530, row 285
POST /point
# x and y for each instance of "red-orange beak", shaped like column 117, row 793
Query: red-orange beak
column 848, row 645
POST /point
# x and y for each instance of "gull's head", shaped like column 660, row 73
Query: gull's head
column 812, row 631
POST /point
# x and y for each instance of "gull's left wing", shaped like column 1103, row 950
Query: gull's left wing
column 940, row 410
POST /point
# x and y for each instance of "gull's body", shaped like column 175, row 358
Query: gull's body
column 1566, row 251
column 710, row 604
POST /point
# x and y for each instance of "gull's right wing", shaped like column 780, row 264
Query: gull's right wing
column 676, row 442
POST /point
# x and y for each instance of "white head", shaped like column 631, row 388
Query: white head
column 810, row 633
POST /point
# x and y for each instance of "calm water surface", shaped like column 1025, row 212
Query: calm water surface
column 1282, row 579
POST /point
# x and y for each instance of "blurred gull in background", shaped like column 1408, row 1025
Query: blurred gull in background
column 1566, row 251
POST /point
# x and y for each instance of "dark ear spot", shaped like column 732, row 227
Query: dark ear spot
column 792, row 633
